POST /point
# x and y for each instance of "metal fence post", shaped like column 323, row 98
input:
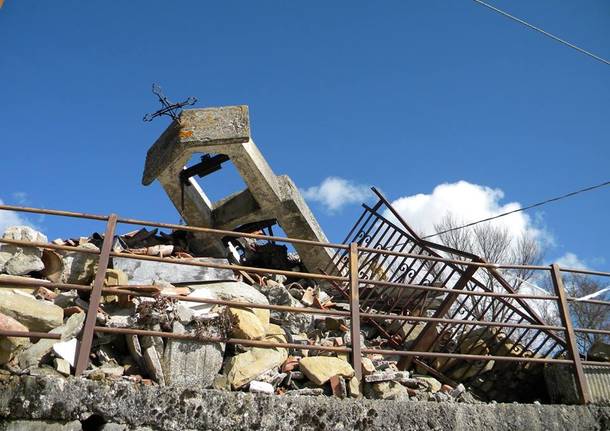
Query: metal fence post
column 84, row 345
column 355, row 310
column 566, row 320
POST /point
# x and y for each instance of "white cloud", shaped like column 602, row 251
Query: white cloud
column 570, row 260
column 10, row 218
column 334, row 193
column 467, row 202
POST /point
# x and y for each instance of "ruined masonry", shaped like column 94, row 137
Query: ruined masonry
column 225, row 132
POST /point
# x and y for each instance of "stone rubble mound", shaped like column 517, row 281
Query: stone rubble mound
column 206, row 361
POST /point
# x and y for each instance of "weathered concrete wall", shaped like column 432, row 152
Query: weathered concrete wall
column 143, row 407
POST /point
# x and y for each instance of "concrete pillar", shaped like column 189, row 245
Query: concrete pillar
column 226, row 130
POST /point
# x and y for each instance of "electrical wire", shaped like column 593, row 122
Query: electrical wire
column 565, row 42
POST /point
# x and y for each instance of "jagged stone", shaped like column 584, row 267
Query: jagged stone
column 36, row 352
column 367, row 367
column 188, row 363
column 306, row 392
column 247, row 325
column 79, row 268
column 62, row 366
column 37, row 425
column 9, row 345
column 430, row 383
column 36, row 315
column 115, row 277
column 235, row 291
column 261, row 387
column 319, row 369
column 354, row 388
column 153, row 365
column 145, row 272
column 338, row 386
column 245, row 367
column 15, row 260
column 385, row 376
column 295, row 323
column 386, row 391
column 135, row 349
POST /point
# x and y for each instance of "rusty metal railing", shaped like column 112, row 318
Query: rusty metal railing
column 352, row 280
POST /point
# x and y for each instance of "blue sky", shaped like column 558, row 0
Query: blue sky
column 404, row 95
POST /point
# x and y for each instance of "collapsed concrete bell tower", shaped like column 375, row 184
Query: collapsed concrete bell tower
column 223, row 134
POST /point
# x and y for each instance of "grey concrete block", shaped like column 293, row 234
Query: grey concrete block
column 146, row 272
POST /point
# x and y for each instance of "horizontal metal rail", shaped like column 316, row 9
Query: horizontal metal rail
column 243, row 342
column 290, row 273
column 351, row 280
column 285, row 239
column 117, row 290
column 29, row 334
column 211, row 231
column 313, row 276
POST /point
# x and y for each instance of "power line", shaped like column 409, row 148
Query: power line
column 557, row 198
column 565, row 42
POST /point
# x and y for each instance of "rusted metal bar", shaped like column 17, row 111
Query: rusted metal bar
column 291, row 240
column 586, row 272
column 84, row 345
column 286, row 308
column 588, row 301
column 441, row 311
column 355, row 310
column 259, row 343
column 53, row 212
column 564, row 312
column 29, row 334
column 460, row 321
column 48, row 246
column 232, row 233
column 243, row 342
column 126, row 291
column 462, row 292
column 172, row 226
column 312, row 276
column 592, row 331
column 455, row 261
column 412, row 353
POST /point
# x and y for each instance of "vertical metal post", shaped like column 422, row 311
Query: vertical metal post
column 84, row 346
column 564, row 312
column 355, row 309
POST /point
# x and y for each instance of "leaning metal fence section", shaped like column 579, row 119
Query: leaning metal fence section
column 390, row 251
column 443, row 303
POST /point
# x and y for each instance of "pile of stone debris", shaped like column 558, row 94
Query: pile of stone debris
column 181, row 362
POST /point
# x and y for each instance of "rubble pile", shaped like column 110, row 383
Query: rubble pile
column 201, row 358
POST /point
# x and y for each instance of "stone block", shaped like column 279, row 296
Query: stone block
column 78, row 267
column 15, row 260
column 246, row 324
column 319, row 369
column 187, row 363
column 247, row 366
column 36, row 315
column 146, row 272
column 9, row 345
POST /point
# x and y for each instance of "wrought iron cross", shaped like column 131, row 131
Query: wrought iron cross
column 172, row 110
